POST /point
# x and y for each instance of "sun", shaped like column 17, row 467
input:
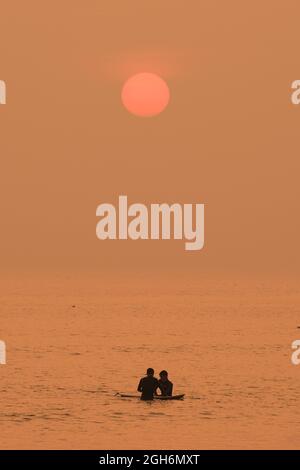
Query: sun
column 145, row 94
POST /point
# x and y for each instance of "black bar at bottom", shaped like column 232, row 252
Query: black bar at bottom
column 142, row 458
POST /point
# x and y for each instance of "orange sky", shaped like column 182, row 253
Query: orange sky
column 229, row 137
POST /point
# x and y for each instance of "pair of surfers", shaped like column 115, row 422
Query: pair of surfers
column 148, row 385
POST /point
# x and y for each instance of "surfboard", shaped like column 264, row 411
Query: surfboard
column 156, row 397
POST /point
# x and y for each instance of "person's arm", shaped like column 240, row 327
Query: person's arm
column 170, row 389
column 157, row 386
column 140, row 386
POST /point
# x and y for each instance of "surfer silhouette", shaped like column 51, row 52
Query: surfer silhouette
column 148, row 385
column 166, row 387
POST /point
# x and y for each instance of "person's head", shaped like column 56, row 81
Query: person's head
column 150, row 371
column 163, row 375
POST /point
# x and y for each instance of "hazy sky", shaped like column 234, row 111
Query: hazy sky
column 229, row 138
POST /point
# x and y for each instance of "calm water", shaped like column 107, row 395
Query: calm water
column 73, row 344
